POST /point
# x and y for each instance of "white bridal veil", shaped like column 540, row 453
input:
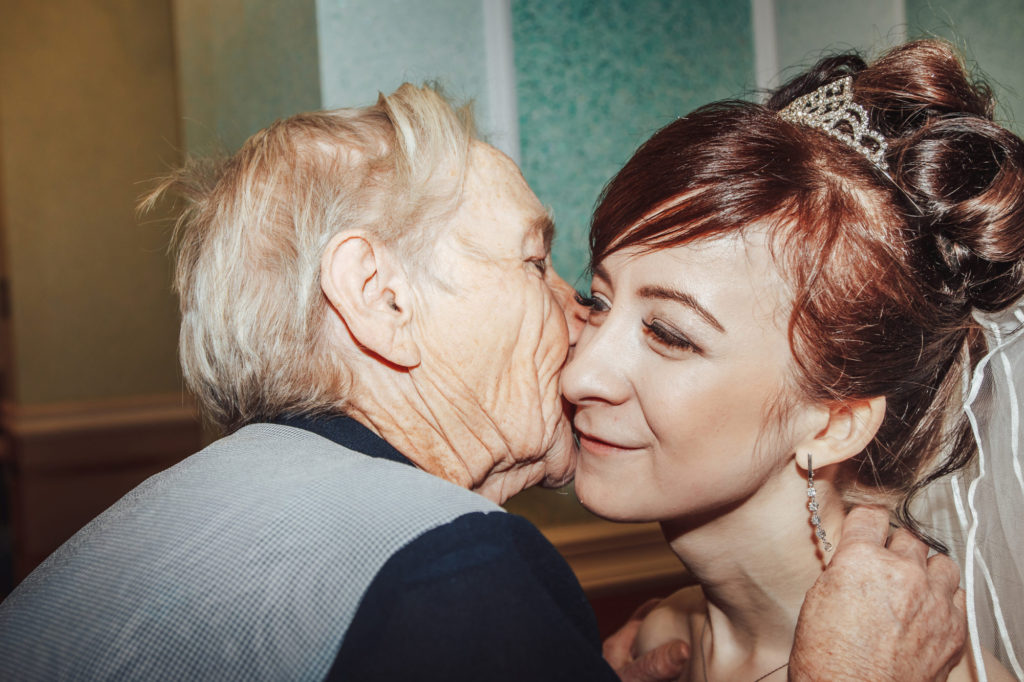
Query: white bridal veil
column 979, row 512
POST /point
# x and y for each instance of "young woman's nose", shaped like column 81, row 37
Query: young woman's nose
column 596, row 371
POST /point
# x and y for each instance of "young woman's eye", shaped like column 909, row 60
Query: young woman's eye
column 595, row 303
column 669, row 337
column 541, row 264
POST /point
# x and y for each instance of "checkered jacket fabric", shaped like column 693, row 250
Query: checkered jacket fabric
column 247, row 561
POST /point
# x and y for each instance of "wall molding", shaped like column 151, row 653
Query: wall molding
column 92, row 415
column 67, row 462
column 96, row 435
column 610, row 557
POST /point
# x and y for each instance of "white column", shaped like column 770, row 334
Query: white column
column 501, row 77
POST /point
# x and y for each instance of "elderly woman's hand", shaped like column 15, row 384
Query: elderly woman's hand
column 878, row 612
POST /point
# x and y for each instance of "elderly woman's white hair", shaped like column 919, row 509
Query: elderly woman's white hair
column 253, row 227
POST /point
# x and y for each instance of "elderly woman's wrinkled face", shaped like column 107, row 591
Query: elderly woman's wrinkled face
column 500, row 338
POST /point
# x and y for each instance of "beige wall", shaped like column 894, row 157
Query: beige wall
column 87, row 116
column 241, row 65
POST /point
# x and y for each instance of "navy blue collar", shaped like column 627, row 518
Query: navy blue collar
column 347, row 432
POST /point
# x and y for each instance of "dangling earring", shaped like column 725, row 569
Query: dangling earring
column 812, row 504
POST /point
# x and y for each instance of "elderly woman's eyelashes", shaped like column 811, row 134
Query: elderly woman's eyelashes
column 541, row 264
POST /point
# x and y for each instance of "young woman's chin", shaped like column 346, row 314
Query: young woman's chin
column 610, row 496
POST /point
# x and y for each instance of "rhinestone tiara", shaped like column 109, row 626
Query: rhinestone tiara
column 831, row 108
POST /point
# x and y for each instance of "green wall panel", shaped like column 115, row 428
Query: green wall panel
column 371, row 46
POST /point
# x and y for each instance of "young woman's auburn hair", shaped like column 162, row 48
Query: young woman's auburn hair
column 886, row 269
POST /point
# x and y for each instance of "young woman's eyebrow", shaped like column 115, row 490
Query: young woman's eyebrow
column 669, row 294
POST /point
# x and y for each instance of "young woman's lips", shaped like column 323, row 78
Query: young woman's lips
column 598, row 446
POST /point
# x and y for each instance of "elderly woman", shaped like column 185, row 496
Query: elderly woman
column 368, row 309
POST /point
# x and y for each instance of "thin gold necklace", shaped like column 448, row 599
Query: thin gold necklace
column 703, row 663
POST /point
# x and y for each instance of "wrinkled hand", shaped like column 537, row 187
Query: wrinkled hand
column 664, row 664
column 880, row 613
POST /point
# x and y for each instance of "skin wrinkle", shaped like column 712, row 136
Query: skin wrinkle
column 431, row 434
column 504, row 390
column 546, row 377
column 488, row 446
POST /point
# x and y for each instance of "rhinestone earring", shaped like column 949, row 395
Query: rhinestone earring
column 812, row 505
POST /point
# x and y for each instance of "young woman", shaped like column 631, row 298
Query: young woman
column 781, row 323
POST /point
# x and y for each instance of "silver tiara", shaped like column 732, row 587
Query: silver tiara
column 832, row 109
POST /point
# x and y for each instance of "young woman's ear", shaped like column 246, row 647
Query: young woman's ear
column 848, row 429
column 366, row 284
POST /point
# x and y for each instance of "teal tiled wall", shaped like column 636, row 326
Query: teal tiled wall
column 595, row 79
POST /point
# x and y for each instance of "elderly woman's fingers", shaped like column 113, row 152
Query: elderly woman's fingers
column 865, row 525
column 944, row 574
column 618, row 648
column 899, row 615
column 664, row 664
column 904, row 544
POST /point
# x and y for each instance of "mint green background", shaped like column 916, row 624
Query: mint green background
column 371, row 46
column 806, row 28
column 990, row 34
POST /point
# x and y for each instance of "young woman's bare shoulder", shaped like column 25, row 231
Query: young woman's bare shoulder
column 676, row 617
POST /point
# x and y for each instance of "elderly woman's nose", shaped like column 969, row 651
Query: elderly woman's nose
column 575, row 314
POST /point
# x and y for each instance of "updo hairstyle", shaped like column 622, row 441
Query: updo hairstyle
column 885, row 269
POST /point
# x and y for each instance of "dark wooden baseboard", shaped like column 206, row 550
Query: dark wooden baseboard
column 66, row 463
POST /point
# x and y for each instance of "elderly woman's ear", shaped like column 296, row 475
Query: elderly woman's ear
column 365, row 283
